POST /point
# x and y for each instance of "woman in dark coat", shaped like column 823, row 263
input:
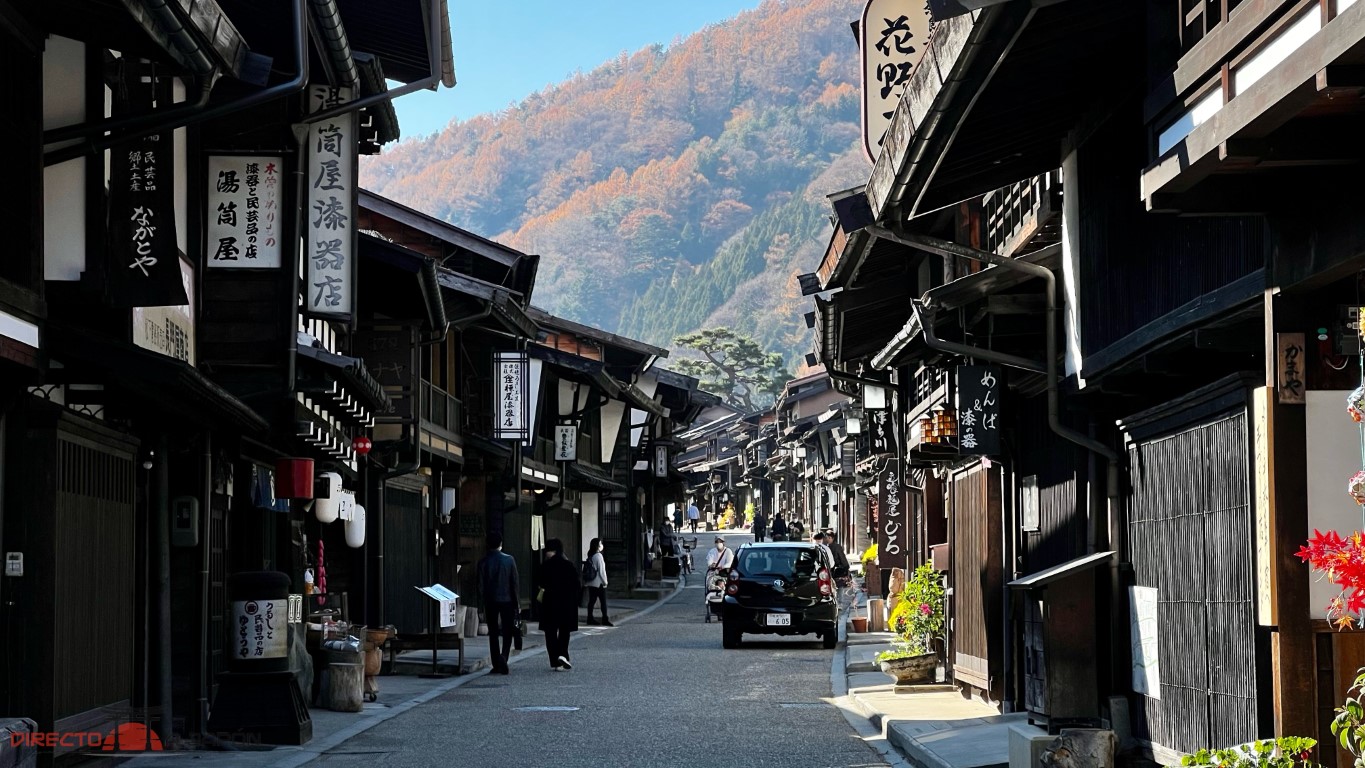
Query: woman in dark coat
column 560, row 580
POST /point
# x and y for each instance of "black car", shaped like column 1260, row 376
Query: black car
column 779, row 588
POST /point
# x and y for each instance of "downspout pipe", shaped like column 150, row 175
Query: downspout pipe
column 137, row 127
column 1113, row 486
column 947, row 248
column 430, row 82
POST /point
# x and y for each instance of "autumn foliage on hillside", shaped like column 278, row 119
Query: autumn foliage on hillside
column 668, row 184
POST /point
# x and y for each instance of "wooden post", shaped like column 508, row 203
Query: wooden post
column 345, row 687
column 1292, row 653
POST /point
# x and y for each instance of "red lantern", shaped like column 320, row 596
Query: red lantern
column 362, row 445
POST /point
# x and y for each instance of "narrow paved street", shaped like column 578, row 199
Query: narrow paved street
column 655, row 691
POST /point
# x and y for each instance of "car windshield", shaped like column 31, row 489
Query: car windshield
column 774, row 561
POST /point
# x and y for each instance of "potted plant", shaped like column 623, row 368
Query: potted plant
column 872, row 577
column 918, row 621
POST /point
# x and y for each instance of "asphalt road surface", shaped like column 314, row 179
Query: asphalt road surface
column 655, row 691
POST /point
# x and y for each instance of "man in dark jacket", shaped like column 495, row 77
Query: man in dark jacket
column 563, row 588
column 760, row 525
column 841, row 568
column 498, row 585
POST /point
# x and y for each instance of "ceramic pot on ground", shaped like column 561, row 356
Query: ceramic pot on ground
column 859, row 623
column 912, row 670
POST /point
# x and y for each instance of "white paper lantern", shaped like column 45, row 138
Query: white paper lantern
column 355, row 528
column 327, row 506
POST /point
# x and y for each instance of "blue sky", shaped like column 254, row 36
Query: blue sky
column 506, row 50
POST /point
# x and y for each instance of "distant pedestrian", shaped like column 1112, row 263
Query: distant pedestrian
column 760, row 525
column 497, row 573
column 841, row 569
column 780, row 529
column 595, row 578
column 693, row 514
column 677, row 516
column 796, row 529
column 560, row 588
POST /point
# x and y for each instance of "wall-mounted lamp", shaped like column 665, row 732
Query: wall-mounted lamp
column 537, row 491
column 874, row 397
column 854, row 425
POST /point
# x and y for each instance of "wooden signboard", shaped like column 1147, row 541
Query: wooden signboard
column 1289, row 369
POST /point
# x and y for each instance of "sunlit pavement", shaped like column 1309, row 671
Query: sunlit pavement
column 658, row 690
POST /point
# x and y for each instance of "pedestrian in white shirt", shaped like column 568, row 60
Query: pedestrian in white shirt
column 826, row 554
column 693, row 514
column 720, row 557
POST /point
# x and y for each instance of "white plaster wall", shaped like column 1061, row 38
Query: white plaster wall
column 64, row 184
column 589, row 520
column 1333, row 453
column 1071, row 267
column 611, row 414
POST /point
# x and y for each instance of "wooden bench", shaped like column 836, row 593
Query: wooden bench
column 402, row 643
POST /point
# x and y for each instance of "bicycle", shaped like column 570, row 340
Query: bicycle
column 685, row 559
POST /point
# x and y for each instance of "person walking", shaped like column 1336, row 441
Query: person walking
column 760, row 525
column 497, row 573
column 841, row 568
column 720, row 558
column 693, row 514
column 595, row 578
column 780, row 527
column 559, row 595
column 826, row 555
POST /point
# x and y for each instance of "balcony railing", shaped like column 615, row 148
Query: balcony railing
column 440, row 409
column 1018, row 214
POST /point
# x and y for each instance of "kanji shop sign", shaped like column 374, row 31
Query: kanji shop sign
column 893, row 530
column 978, row 409
column 510, row 419
column 244, row 221
column 661, row 461
column 566, row 442
column 893, row 36
column 881, row 426
column 258, row 629
column 168, row 330
column 1289, row 368
column 329, row 210
column 144, row 260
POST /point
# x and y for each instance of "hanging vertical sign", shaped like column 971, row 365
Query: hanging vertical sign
column 329, row 211
column 661, row 461
column 144, row 260
column 510, row 422
column 893, row 37
column 242, row 221
column 893, row 532
column 566, row 442
column 1289, row 368
column 881, row 432
column 978, row 409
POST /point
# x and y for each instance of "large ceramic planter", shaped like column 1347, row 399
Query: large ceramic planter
column 913, row 670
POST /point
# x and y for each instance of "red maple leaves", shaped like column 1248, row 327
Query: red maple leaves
column 1343, row 562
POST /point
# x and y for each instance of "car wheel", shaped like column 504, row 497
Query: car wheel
column 830, row 638
column 730, row 635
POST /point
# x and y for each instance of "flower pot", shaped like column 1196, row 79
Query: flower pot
column 912, row 670
column 859, row 623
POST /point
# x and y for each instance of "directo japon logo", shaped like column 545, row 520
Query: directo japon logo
column 126, row 737
column 131, row 737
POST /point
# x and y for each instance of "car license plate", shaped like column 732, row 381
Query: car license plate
column 779, row 620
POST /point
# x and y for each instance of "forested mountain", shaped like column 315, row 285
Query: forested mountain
column 671, row 189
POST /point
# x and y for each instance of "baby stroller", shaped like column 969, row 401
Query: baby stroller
column 715, row 592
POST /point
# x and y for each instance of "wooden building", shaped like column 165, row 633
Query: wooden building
column 1142, row 266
